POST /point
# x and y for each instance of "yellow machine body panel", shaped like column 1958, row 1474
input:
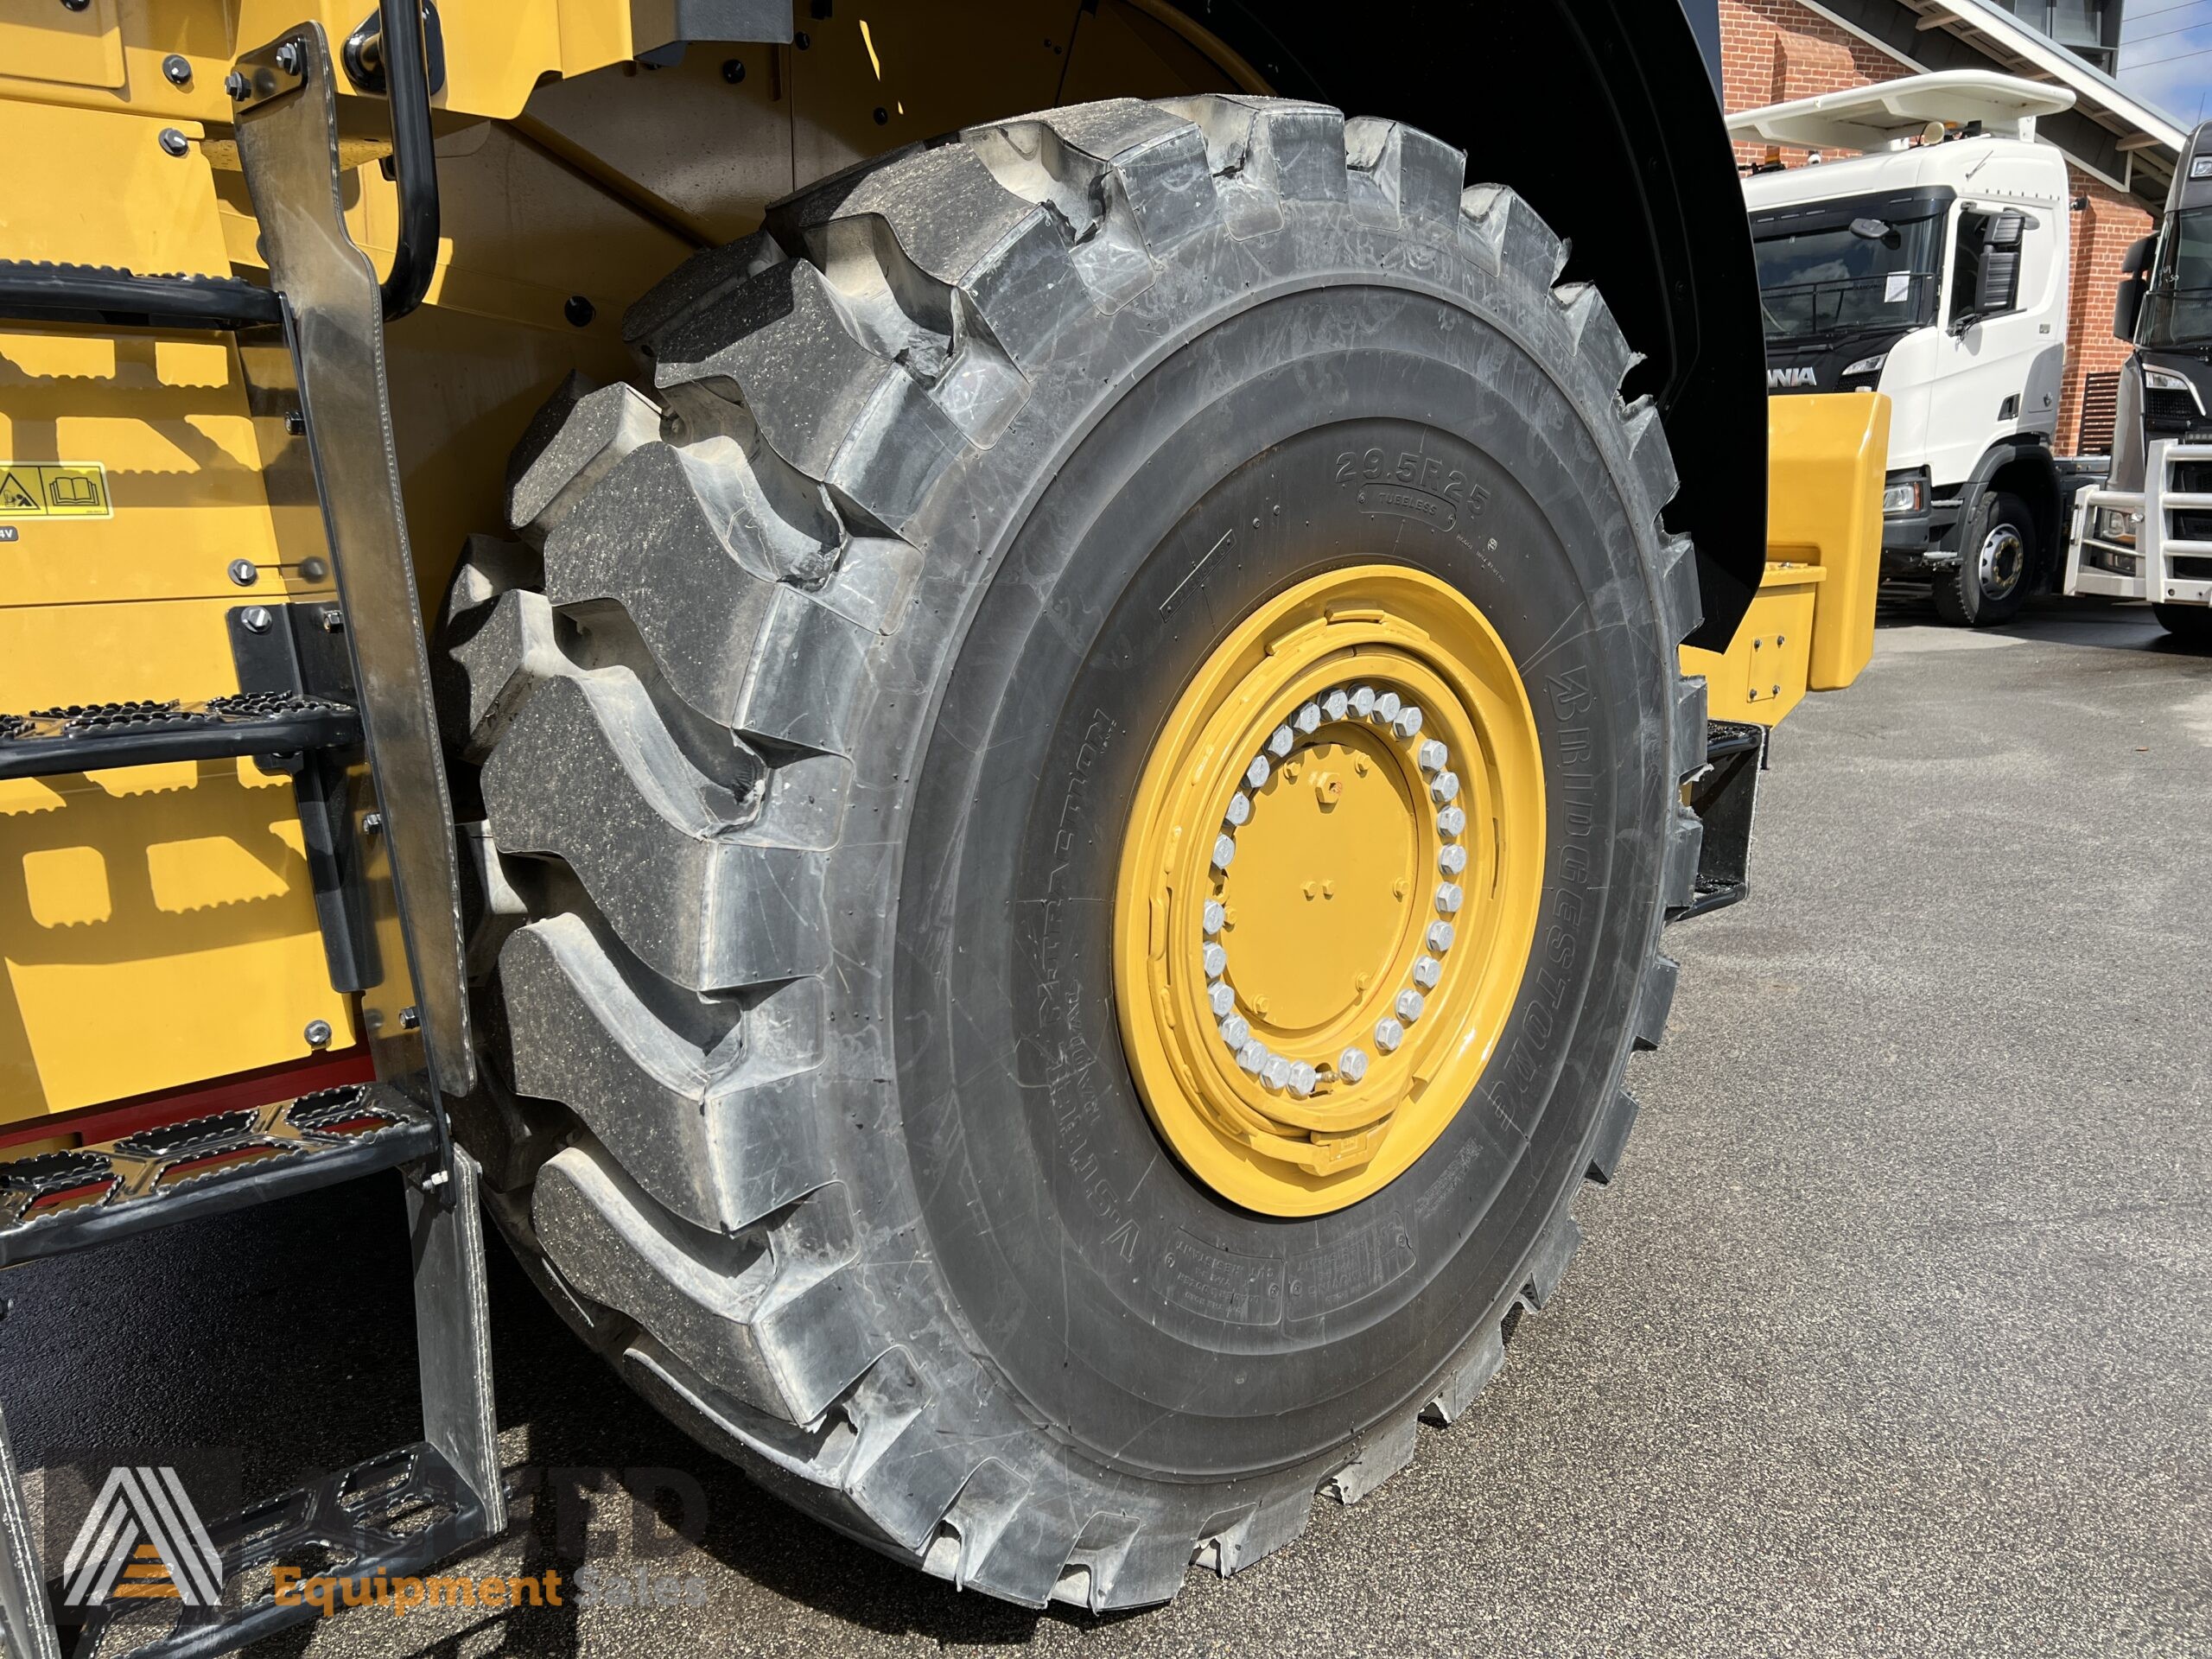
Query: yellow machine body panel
column 1811, row 625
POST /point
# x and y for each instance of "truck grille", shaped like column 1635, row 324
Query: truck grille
column 2167, row 410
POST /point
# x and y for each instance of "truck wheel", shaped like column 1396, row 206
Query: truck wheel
column 1996, row 567
column 2191, row 624
column 1077, row 807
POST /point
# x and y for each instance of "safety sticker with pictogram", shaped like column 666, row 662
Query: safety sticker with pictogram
column 53, row 489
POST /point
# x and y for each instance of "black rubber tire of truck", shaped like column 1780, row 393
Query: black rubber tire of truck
column 1963, row 598
column 762, row 730
column 2191, row 624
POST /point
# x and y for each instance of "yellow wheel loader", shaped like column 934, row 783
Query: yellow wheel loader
column 987, row 712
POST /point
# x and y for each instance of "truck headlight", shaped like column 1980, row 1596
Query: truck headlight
column 2116, row 524
column 1868, row 365
column 1903, row 498
column 2157, row 379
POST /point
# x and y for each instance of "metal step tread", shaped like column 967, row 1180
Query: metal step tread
column 55, row 1202
column 38, row 289
column 391, row 1517
column 51, row 742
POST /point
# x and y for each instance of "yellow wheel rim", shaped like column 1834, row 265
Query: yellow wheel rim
column 1329, row 889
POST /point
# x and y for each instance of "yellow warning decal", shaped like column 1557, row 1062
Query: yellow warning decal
column 53, row 489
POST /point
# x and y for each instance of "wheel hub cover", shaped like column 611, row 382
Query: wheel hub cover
column 1329, row 888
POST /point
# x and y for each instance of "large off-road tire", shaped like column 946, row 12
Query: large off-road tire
column 805, row 720
column 1997, row 568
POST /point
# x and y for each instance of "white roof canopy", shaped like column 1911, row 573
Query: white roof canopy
column 1890, row 112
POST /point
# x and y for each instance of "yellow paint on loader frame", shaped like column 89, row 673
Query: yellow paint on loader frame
column 1811, row 625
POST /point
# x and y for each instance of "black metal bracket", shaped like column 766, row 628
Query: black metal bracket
column 300, row 650
column 1724, row 797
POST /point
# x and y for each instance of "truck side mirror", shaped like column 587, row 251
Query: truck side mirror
column 2000, row 265
column 2135, row 284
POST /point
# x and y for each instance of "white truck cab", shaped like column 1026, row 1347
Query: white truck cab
column 1933, row 268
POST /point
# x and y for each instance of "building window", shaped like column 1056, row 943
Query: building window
column 2088, row 28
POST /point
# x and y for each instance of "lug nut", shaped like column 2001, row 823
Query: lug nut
column 1276, row 1072
column 1407, row 724
column 1352, row 1064
column 1451, row 820
column 1214, row 916
column 1253, row 1055
column 1216, row 961
column 1308, row 719
column 1441, row 935
column 177, row 69
column 317, row 1034
column 1224, row 849
column 1433, row 756
column 1426, row 971
column 1386, row 708
column 1235, row 1031
column 1449, row 898
column 1257, row 774
column 1239, row 809
column 1336, row 703
column 1452, row 860
column 1302, row 1079
column 1409, row 1006
column 1221, row 997
column 1279, row 741
column 1363, row 702
column 1389, row 1033
column 1443, row 786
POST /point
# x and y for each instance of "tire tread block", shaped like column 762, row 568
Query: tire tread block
column 720, row 1144
column 595, row 430
column 588, row 774
column 725, row 589
column 1401, row 175
column 1265, row 153
column 1610, row 1140
column 761, row 1314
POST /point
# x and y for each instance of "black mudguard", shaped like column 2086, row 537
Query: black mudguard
column 1604, row 115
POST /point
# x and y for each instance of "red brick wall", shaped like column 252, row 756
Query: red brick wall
column 1772, row 51
column 1775, row 50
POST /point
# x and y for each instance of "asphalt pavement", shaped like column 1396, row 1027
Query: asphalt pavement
column 1894, row 1335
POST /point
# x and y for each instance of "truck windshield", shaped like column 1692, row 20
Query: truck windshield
column 2177, row 312
column 1823, row 278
